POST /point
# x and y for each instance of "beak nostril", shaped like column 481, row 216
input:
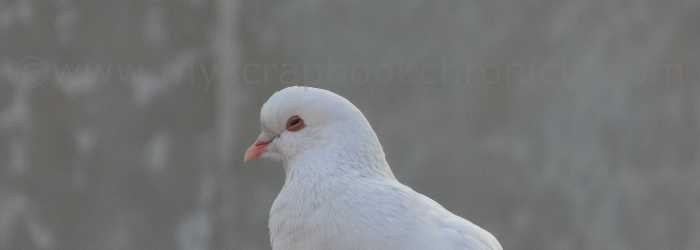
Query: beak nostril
column 259, row 147
column 255, row 151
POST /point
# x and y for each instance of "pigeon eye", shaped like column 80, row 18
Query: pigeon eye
column 295, row 123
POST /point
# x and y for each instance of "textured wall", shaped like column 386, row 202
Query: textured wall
column 554, row 124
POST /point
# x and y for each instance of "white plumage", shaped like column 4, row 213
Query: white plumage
column 339, row 192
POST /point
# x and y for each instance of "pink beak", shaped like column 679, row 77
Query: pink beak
column 254, row 151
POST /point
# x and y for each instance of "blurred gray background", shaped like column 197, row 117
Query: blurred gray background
column 553, row 124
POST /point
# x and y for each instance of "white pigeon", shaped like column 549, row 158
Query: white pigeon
column 339, row 192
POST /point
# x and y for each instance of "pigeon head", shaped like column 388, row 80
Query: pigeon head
column 297, row 120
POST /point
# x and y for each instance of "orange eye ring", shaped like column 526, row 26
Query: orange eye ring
column 295, row 123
